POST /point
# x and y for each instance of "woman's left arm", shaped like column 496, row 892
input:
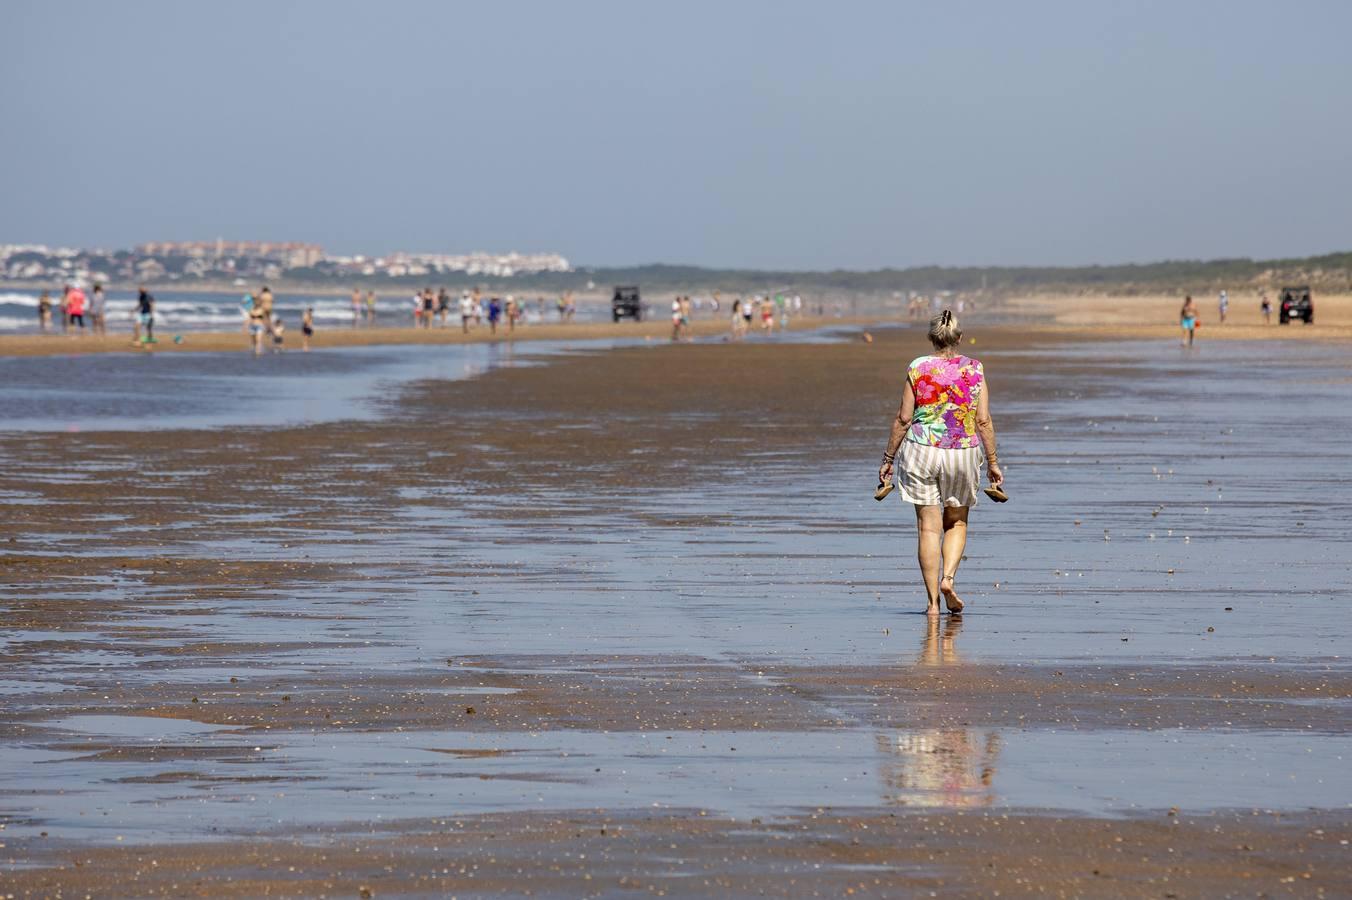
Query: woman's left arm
column 900, row 425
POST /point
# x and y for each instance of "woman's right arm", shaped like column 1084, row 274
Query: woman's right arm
column 900, row 425
column 985, row 427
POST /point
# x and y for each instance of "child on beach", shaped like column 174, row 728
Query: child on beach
column 307, row 328
column 278, row 329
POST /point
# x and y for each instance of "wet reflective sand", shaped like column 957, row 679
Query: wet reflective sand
column 673, row 604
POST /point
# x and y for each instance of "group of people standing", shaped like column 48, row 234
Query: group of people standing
column 363, row 308
column 75, row 306
column 265, row 327
column 769, row 311
column 475, row 307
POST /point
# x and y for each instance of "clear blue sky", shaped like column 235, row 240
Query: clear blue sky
column 748, row 134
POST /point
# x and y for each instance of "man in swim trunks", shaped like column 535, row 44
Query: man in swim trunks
column 145, row 316
column 1187, row 319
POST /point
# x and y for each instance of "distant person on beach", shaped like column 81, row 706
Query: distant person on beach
column 738, row 327
column 370, row 308
column 278, row 334
column 75, row 307
column 467, row 308
column 307, row 328
column 357, row 307
column 1265, row 306
column 264, row 299
column 494, row 313
column 675, row 319
column 443, row 306
column 429, row 301
column 1187, row 320
column 944, row 433
column 65, row 310
column 145, row 317
column 45, row 312
column 246, row 305
column 257, row 325
column 98, row 310
column 1224, row 304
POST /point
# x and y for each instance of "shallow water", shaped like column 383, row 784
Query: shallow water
column 1155, row 494
column 116, row 391
column 228, row 782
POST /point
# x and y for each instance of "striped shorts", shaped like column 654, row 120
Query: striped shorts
column 934, row 476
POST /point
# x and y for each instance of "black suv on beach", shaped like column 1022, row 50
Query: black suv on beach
column 625, row 302
column 1295, row 303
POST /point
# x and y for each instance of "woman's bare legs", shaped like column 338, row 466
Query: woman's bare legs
column 929, row 523
column 954, row 542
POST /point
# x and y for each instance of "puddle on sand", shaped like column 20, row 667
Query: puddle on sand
column 156, row 728
column 136, row 391
column 288, row 779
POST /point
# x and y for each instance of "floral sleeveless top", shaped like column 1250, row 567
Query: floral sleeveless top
column 946, row 392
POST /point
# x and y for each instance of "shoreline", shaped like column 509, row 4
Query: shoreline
column 1050, row 316
column 331, row 338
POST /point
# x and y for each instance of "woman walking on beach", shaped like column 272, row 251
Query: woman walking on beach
column 944, row 432
column 1187, row 319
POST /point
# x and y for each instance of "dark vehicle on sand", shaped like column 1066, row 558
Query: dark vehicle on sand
column 1295, row 303
column 625, row 302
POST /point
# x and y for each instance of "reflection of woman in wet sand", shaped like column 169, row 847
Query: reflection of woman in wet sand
column 938, row 649
column 942, row 430
column 948, row 767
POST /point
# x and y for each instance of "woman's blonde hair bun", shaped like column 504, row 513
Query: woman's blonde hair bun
column 944, row 331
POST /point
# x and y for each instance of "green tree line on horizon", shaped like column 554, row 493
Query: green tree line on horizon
column 1329, row 271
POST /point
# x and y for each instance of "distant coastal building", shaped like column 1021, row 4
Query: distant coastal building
column 268, row 260
column 288, row 254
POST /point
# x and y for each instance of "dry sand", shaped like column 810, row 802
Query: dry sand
column 1156, row 316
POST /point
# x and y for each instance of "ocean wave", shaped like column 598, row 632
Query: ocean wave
column 222, row 312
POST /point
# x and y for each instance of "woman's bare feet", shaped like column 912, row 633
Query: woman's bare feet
column 951, row 599
column 932, row 608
